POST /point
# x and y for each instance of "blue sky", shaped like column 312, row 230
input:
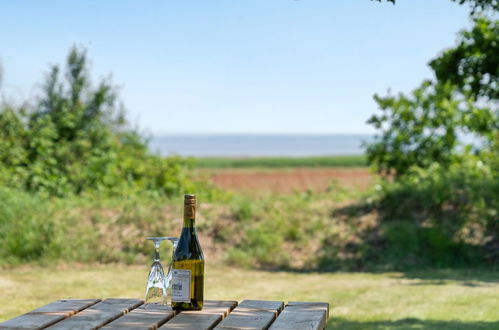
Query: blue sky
column 234, row 66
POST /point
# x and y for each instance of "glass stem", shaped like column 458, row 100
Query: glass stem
column 156, row 251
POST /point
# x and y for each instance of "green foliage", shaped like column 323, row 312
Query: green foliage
column 244, row 209
column 424, row 127
column 278, row 162
column 27, row 231
column 76, row 140
column 475, row 4
column 417, row 130
column 450, row 212
column 480, row 4
column 472, row 65
column 438, row 203
column 80, row 229
column 414, row 246
column 403, row 229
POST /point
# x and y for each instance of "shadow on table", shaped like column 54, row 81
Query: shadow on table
column 410, row 323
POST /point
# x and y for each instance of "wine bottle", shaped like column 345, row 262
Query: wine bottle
column 188, row 263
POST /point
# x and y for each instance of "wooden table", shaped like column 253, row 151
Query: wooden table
column 130, row 314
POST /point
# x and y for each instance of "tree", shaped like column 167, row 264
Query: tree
column 441, row 189
column 76, row 139
column 475, row 4
column 422, row 128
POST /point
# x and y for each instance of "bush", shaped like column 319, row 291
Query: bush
column 76, row 140
column 449, row 213
column 82, row 229
column 439, row 202
column 27, row 228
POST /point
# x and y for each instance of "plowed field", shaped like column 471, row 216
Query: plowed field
column 288, row 180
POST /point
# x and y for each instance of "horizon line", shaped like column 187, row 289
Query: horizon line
column 255, row 134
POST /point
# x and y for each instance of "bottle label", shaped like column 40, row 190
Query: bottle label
column 181, row 285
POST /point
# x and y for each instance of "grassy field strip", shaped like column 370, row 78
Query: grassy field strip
column 452, row 300
column 279, row 162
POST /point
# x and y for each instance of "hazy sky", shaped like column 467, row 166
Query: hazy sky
column 234, row 66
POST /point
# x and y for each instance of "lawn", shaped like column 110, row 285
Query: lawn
column 281, row 162
column 426, row 300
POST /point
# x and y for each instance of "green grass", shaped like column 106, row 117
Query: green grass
column 279, row 162
column 299, row 231
column 450, row 299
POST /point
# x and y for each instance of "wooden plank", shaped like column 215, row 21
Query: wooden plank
column 147, row 317
column 301, row 303
column 271, row 306
column 98, row 315
column 213, row 312
column 223, row 307
column 252, row 315
column 299, row 315
column 49, row 314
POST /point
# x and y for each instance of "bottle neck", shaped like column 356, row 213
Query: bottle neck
column 189, row 215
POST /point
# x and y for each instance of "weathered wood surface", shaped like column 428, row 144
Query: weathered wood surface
column 147, row 317
column 98, row 315
column 49, row 314
column 298, row 315
column 213, row 312
column 132, row 314
column 252, row 314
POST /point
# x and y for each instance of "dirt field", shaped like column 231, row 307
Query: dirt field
column 288, row 180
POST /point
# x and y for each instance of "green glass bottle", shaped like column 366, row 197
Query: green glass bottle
column 188, row 263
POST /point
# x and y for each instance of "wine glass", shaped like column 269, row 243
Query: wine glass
column 169, row 275
column 158, row 285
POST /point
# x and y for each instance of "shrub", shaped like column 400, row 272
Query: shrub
column 76, row 140
column 27, row 229
column 444, row 211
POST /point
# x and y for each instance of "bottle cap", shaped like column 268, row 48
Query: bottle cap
column 189, row 199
